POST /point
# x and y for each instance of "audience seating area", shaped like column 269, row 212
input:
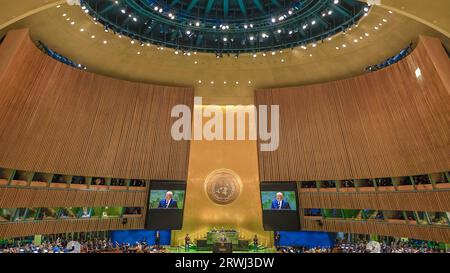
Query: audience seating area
column 59, row 57
column 100, row 242
column 435, row 181
column 363, row 246
column 39, row 214
column 399, row 217
column 19, row 178
column 392, row 60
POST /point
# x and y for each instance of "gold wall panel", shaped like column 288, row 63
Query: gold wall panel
column 200, row 213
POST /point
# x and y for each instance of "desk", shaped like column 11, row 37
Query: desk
column 223, row 248
column 214, row 237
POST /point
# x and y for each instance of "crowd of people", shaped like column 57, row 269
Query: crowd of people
column 367, row 247
column 105, row 245
column 90, row 246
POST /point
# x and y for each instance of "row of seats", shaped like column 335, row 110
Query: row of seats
column 37, row 214
column 392, row 60
column 55, row 55
column 416, row 182
column 410, row 217
column 36, row 179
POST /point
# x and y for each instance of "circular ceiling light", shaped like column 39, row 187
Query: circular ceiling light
column 249, row 26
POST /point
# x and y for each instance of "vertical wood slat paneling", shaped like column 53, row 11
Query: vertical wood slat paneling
column 429, row 233
column 383, row 124
column 429, row 201
column 18, row 229
column 57, row 119
column 45, row 197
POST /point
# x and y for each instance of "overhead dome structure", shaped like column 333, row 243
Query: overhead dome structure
column 227, row 26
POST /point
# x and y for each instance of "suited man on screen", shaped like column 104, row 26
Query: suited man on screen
column 279, row 203
column 168, row 202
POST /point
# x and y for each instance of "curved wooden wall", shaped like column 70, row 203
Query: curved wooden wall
column 403, row 201
column 57, row 119
column 18, row 197
column 383, row 124
column 429, row 233
column 19, row 229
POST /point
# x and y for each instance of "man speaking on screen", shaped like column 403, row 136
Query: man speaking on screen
column 168, row 202
column 279, row 203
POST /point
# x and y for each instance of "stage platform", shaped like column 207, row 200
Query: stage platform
column 180, row 249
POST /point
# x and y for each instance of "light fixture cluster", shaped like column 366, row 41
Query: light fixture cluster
column 224, row 82
column 219, row 55
column 190, row 31
column 225, row 39
column 365, row 35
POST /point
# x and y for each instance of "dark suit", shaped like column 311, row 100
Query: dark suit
column 163, row 204
column 284, row 204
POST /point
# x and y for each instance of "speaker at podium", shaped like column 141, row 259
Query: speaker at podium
column 223, row 248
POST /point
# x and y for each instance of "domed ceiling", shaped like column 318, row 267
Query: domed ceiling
column 73, row 33
column 226, row 26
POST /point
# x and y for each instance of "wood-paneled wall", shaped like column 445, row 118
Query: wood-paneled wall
column 17, row 197
column 57, row 119
column 430, row 233
column 19, row 229
column 403, row 201
column 383, row 124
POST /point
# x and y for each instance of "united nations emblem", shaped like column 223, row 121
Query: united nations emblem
column 223, row 186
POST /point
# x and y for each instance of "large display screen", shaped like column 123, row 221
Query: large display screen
column 279, row 204
column 165, row 205
column 273, row 200
column 166, row 199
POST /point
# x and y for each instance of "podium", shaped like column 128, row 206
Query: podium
column 212, row 242
column 232, row 236
column 223, row 248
